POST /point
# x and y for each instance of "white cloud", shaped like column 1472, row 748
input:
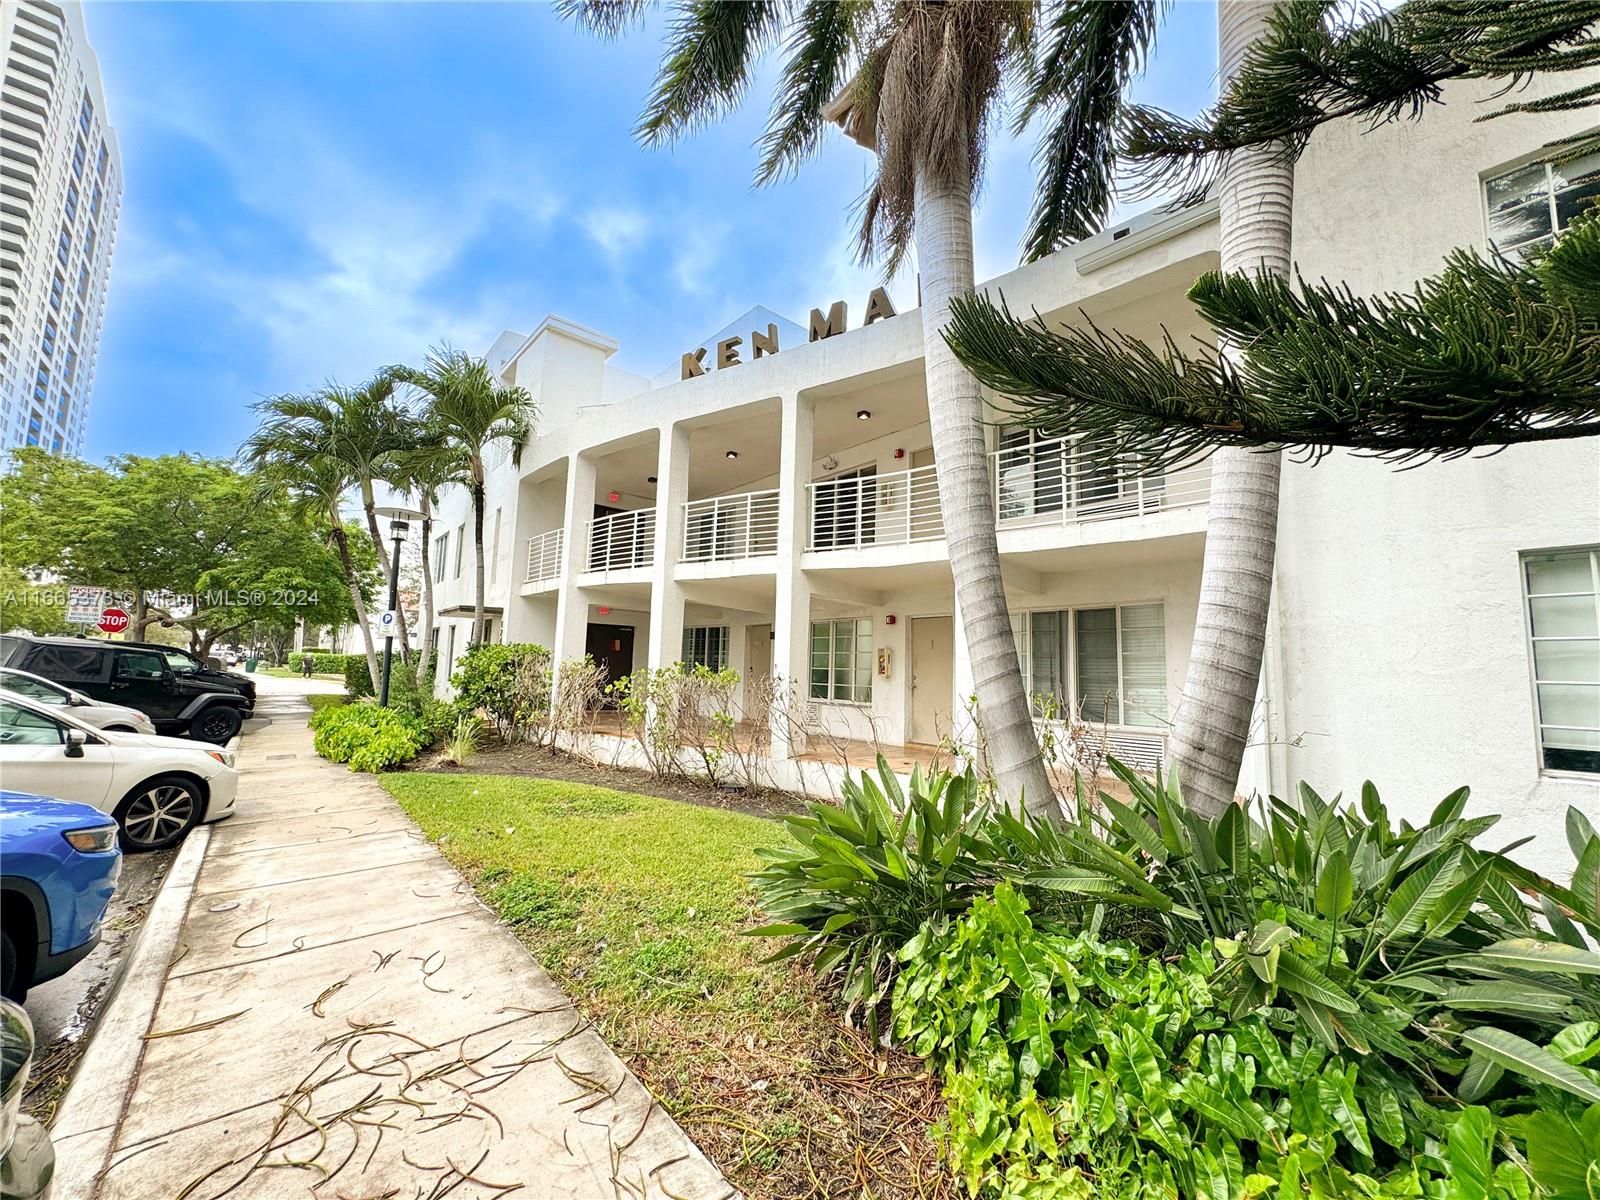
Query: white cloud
column 357, row 297
column 615, row 229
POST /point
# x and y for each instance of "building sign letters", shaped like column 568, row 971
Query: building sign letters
column 879, row 306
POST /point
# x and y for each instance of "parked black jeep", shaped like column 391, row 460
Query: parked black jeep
column 136, row 675
column 184, row 663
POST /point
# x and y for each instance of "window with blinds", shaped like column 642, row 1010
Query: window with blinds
column 1114, row 659
column 1562, row 589
column 705, row 646
column 841, row 660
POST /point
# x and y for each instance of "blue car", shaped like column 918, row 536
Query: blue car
column 59, row 864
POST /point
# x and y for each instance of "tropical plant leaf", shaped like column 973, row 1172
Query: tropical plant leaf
column 1533, row 954
column 1518, row 1055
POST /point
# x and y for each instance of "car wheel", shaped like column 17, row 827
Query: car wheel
column 216, row 725
column 158, row 812
column 11, row 987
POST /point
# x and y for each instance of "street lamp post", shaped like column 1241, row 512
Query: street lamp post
column 399, row 523
column 397, row 531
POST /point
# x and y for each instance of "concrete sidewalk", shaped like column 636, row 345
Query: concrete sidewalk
column 342, row 1018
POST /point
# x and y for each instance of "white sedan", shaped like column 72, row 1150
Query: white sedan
column 157, row 788
column 118, row 718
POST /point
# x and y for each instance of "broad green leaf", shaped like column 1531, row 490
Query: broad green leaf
column 1414, row 900
column 1522, row 996
column 1298, row 977
column 1531, row 1061
column 1537, row 954
column 1134, row 827
column 1468, row 1153
column 1458, row 900
column 1233, row 836
column 783, row 929
column 1579, row 831
column 1335, row 886
column 1479, row 1078
column 1451, row 807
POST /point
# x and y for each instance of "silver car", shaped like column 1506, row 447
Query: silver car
column 118, row 718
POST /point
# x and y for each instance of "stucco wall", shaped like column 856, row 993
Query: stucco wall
column 1399, row 608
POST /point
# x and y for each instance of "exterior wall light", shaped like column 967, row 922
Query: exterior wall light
column 731, row 454
column 649, row 478
column 863, row 415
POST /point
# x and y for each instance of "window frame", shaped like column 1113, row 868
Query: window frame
column 692, row 657
column 1529, row 638
column 461, row 548
column 59, row 726
column 1552, row 231
column 831, row 687
column 1068, row 662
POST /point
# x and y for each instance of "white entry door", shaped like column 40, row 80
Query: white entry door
column 932, row 644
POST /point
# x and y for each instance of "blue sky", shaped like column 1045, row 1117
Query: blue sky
column 313, row 190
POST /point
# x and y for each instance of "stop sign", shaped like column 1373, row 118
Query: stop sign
column 113, row 620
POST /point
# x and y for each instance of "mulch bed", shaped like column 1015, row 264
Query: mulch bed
column 495, row 757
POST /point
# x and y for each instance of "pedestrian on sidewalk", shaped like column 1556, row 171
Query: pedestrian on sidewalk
column 305, row 665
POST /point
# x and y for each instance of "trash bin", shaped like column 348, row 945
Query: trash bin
column 250, row 664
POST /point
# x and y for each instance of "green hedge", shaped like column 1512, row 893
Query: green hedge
column 368, row 737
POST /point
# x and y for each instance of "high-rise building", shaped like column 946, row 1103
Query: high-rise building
column 60, row 189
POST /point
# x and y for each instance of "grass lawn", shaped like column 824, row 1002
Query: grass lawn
column 635, row 903
column 322, row 700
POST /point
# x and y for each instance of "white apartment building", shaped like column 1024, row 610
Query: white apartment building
column 60, row 191
column 1431, row 627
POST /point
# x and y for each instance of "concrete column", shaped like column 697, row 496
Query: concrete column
column 572, row 604
column 791, row 620
column 666, row 595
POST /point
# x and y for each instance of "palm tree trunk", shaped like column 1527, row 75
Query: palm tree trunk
column 477, row 541
column 424, row 652
column 955, row 410
column 342, row 544
column 369, row 505
column 1219, row 695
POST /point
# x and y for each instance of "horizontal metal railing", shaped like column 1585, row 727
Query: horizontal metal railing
column 544, row 555
column 875, row 510
column 622, row 540
column 1069, row 481
column 721, row 528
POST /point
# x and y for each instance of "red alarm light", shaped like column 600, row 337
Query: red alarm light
column 613, row 496
column 604, row 611
column 889, row 620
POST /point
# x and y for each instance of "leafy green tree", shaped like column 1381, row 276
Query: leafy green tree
column 173, row 526
column 301, row 462
column 27, row 606
column 423, row 471
column 921, row 84
column 468, row 411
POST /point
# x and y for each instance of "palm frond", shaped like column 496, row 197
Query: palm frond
column 1093, row 49
column 819, row 51
column 712, row 50
column 608, row 18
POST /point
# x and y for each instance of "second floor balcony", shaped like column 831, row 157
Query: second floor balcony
column 724, row 528
column 621, row 541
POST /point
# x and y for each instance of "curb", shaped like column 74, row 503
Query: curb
column 87, row 1119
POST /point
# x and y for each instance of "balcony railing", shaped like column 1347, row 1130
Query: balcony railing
column 622, row 540
column 875, row 510
column 1067, row 481
column 544, row 555
column 722, row 528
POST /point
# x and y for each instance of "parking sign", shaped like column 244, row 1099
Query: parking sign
column 84, row 605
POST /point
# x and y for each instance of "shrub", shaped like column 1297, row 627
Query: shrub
column 861, row 878
column 1407, row 943
column 683, row 718
column 1076, row 1068
column 357, row 677
column 508, row 681
column 366, row 736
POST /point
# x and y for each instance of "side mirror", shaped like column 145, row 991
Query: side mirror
column 76, row 740
column 78, row 700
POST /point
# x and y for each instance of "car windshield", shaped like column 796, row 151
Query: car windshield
column 38, row 689
column 181, row 664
